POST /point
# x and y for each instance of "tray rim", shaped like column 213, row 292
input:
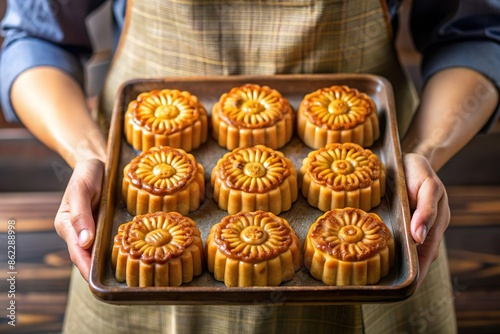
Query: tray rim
column 287, row 294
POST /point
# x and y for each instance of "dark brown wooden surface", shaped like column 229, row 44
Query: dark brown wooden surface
column 474, row 254
column 42, row 263
column 26, row 165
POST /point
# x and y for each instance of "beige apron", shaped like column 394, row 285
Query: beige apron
column 216, row 37
column 211, row 37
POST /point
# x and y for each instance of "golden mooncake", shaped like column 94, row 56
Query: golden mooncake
column 166, row 117
column 343, row 175
column 349, row 247
column 252, row 249
column 252, row 115
column 157, row 249
column 163, row 179
column 254, row 178
column 337, row 114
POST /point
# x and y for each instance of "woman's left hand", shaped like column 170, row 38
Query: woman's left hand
column 429, row 207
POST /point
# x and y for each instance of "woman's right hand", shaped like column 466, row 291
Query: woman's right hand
column 75, row 219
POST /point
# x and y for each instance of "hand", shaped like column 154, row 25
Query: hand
column 75, row 221
column 431, row 212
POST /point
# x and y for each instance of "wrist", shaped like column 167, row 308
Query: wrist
column 429, row 150
column 82, row 146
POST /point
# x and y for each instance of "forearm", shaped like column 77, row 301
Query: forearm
column 455, row 104
column 51, row 104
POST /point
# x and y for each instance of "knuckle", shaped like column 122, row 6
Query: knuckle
column 80, row 218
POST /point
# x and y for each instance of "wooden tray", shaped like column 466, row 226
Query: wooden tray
column 303, row 288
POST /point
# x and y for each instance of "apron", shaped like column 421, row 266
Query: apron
column 214, row 37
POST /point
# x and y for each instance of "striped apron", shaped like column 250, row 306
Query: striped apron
column 215, row 37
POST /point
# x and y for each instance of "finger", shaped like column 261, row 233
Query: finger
column 79, row 256
column 82, row 220
column 84, row 194
column 426, row 212
column 431, row 216
column 424, row 193
column 428, row 252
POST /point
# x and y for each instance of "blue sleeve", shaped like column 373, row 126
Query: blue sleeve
column 42, row 33
column 459, row 33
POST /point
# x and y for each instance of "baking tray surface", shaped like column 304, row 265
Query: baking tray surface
column 303, row 288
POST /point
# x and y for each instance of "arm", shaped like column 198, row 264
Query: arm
column 55, row 111
column 458, row 100
column 456, row 103
column 41, row 86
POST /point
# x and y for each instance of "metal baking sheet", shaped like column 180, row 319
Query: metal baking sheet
column 303, row 288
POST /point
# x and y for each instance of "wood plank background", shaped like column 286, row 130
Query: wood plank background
column 42, row 263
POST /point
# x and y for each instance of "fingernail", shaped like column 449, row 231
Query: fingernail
column 422, row 233
column 83, row 238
